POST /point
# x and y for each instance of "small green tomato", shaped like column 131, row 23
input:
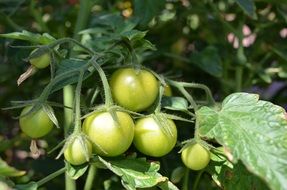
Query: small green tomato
column 36, row 124
column 151, row 140
column 42, row 61
column 195, row 157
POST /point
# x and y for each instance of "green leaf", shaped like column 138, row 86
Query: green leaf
column 8, row 171
column 76, row 171
column 31, row 37
column 135, row 172
column 174, row 103
column 248, row 7
column 29, row 186
column 235, row 177
column 208, row 60
column 167, row 185
column 70, row 68
column 133, row 35
column 146, row 10
column 254, row 131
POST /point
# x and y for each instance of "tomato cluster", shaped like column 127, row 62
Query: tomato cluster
column 111, row 133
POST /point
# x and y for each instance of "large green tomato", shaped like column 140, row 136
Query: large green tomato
column 151, row 140
column 108, row 137
column 134, row 90
column 42, row 61
column 195, row 157
column 36, row 124
column 75, row 154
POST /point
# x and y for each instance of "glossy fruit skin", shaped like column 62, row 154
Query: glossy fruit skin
column 151, row 140
column 195, row 157
column 36, row 124
column 134, row 90
column 75, row 154
column 42, row 61
column 112, row 139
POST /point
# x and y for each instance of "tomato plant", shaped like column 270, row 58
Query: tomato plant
column 134, row 89
column 153, row 139
column 36, row 124
column 195, row 156
column 110, row 137
column 149, row 90
column 75, row 153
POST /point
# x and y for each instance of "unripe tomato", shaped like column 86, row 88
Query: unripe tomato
column 134, row 90
column 36, row 124
column 195, row 157
column 108, row 137
column 42, row 61
column 75, row 154
column 167, row 91
column 151, row 140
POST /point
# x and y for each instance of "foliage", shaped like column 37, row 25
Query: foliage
column 232, row 51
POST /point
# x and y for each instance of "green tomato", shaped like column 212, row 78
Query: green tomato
column 195, row 157
column 75, row 154
column 167, row 91
column 151, row 140
column 42, row 61
column 36, row 124
column 134, row 90
column 108, row 137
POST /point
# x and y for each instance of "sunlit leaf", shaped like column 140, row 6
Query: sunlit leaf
column 255, row 131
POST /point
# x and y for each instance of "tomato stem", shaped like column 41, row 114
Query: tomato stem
column 185, row 180
column 78, row 103
column 197, row 179
column 68, row 96
column 107, row 90
column 90, row 178
column 51, row 176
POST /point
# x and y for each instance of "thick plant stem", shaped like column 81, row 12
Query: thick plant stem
column 68, row 93
column 90, row 178
column 185, row 180
column 70, row 184
column 83, row 16
column 50, row 177
column 68, row 96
